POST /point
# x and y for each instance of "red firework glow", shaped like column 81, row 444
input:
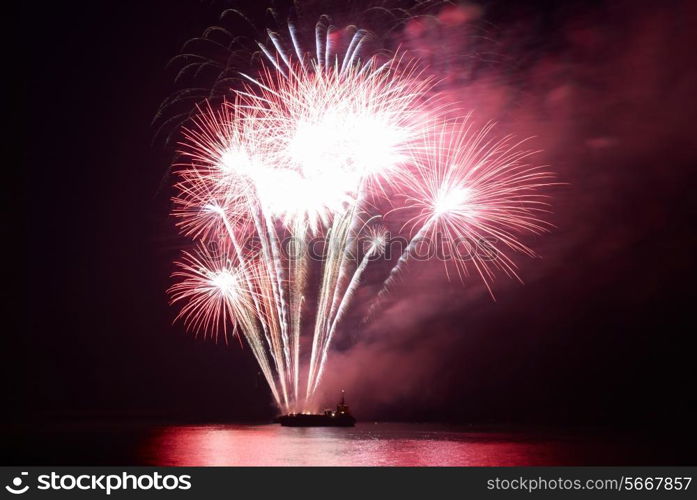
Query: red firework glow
column 312, row 147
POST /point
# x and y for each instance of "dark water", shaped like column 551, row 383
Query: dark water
column 380, row 444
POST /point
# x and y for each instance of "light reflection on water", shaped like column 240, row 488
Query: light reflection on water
column 366, row 444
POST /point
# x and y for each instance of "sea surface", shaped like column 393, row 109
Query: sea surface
column 367, row 444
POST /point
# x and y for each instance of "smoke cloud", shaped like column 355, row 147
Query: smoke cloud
column 606, row 93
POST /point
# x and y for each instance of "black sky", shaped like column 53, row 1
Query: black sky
column 603, row 331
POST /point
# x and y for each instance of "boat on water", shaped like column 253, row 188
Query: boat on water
column 341, row 417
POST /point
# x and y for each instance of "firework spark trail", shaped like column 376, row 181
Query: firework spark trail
column 304, row 149
column 340, row 242
column 396, row 271
column 346, row 245
column 338, row 260
column 272, row 273
column 330, row 272
column 278, row 274
column 248, row 281
column 298, row 276
column 344, row 242
column 298, row 273
column 377, row 244
column 251, row 327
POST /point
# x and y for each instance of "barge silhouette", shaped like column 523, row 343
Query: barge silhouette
column 341, row 417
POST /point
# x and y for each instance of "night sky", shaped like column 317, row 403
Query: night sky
column 602, row 332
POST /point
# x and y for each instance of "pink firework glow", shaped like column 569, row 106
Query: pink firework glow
column 318, row 146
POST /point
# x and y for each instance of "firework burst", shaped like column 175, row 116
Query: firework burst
column 310, row 147
column 471, row 194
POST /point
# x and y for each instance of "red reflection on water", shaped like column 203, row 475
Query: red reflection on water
column 366, row 444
